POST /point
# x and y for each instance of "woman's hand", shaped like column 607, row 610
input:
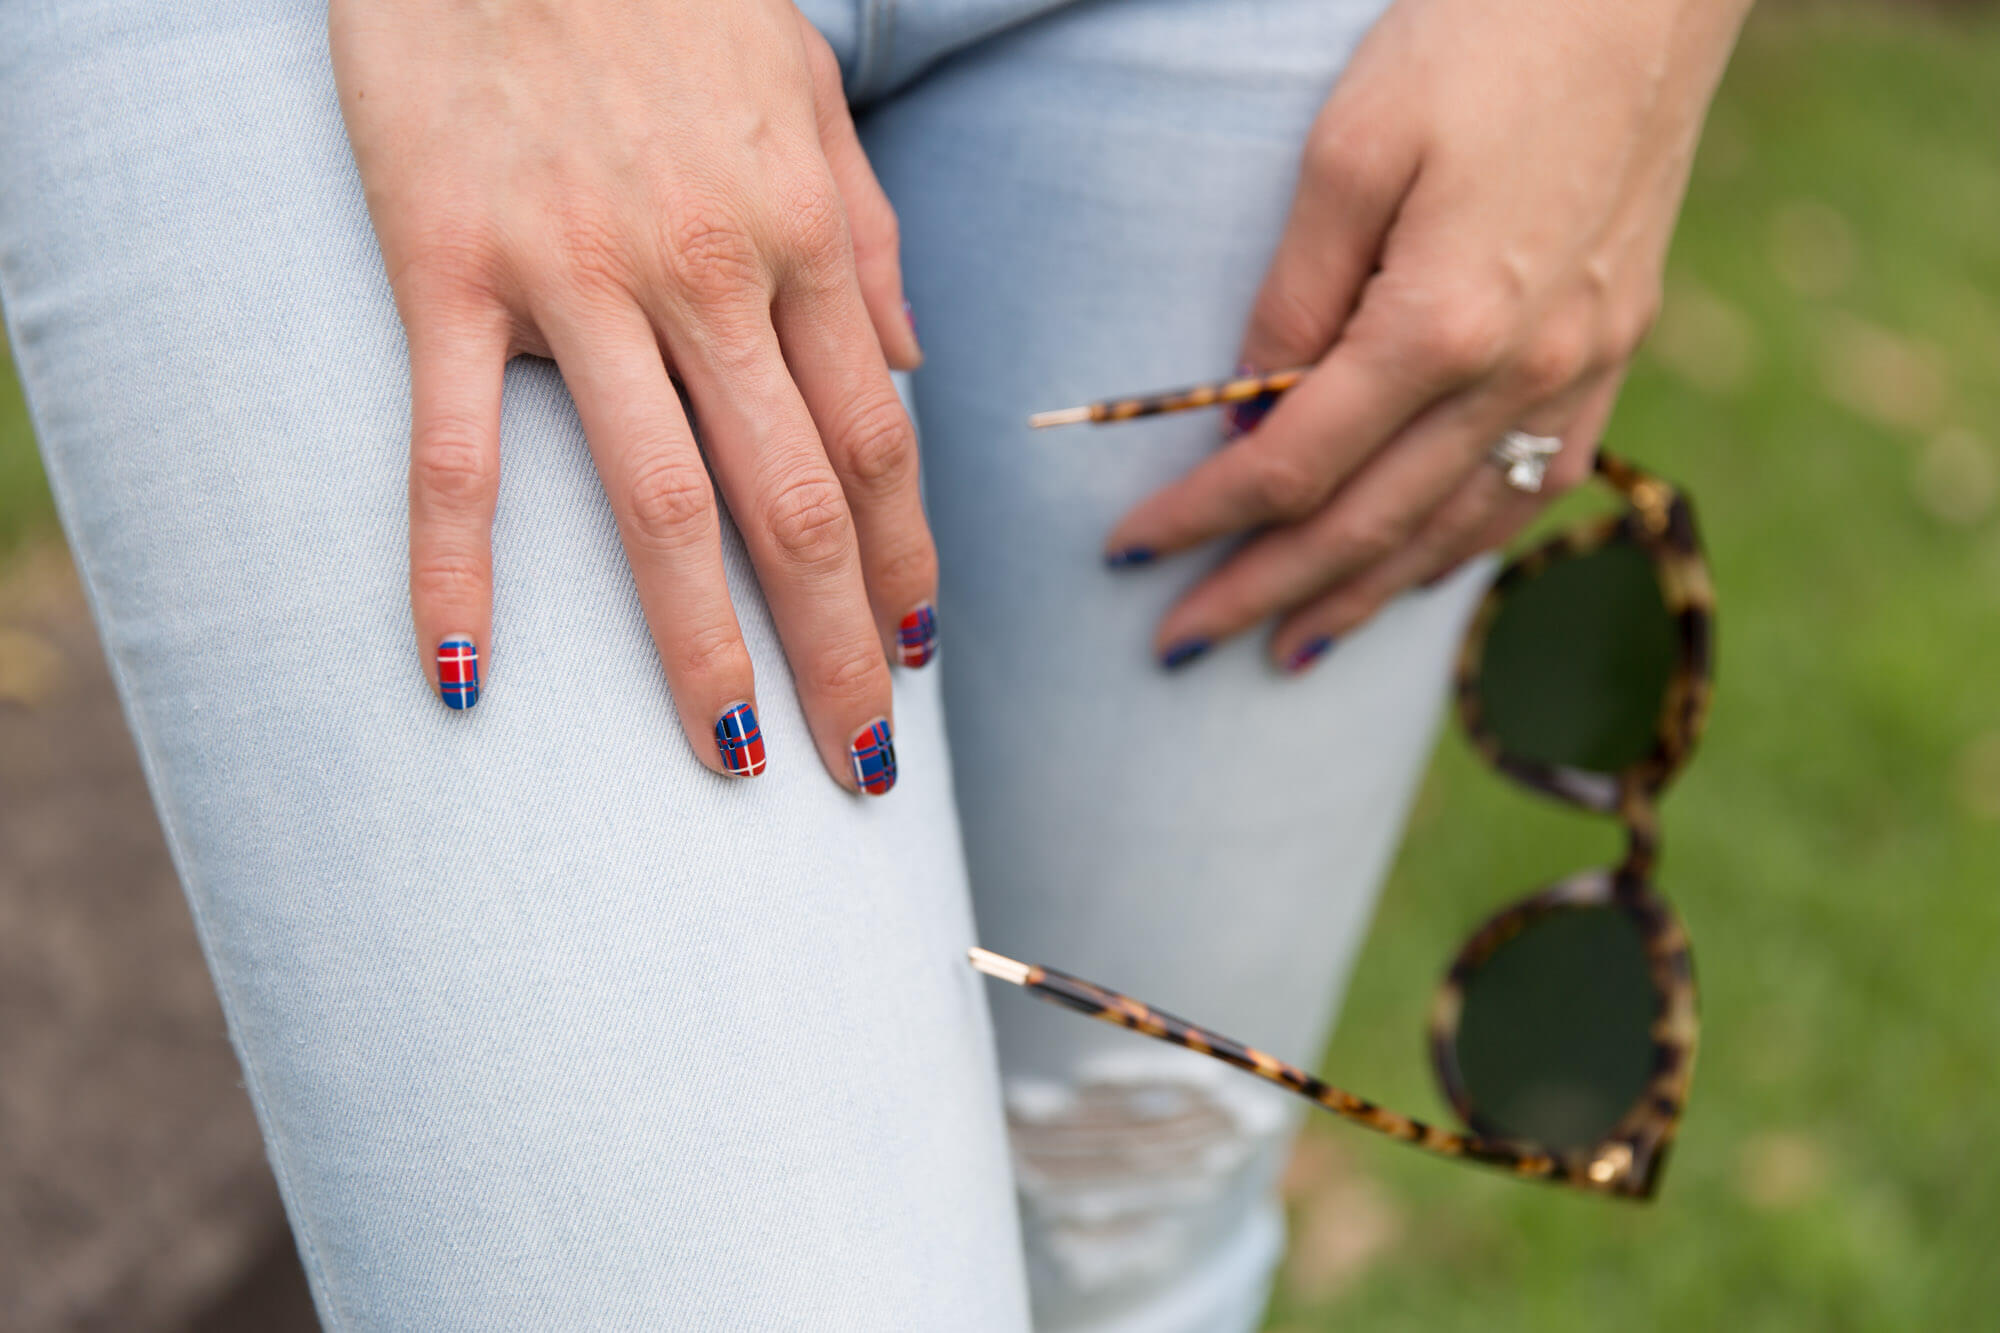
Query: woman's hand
column 628, row 188
column 1475, row 246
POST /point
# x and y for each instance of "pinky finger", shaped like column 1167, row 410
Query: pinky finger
column 455, row 374
column 1305, row 636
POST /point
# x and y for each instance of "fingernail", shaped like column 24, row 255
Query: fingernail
column 910, row 317
column 1183, row 652
column 1308, row 652
column 916, row 636
column 458, row 671
column 1131, row 555
column 873, row 755
column 1239, row 419
column 740, row 740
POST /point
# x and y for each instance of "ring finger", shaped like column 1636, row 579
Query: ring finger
column 1483, row 513
column 1370, row 519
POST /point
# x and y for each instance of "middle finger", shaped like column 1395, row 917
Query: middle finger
column 1369, row 519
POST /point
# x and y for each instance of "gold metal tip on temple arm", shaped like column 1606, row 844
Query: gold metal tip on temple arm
column 1067, row 416
column 996, row 965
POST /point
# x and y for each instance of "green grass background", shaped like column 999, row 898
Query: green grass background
column 1826, row 381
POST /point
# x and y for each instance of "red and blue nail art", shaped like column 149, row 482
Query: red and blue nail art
column 916, row 636
column 1241, row 418
column 873, row 755
column 741, row 742
column 458, row 671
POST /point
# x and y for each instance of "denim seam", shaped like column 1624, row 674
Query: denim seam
column 877, row 40
column 25, row 351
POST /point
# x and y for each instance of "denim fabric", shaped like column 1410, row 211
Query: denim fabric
column 546, row 1025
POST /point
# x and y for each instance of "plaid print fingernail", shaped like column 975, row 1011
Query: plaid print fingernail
column 916, row 636
column 1239, row 419
column 873, row 755
column 458, row 671
column 741, row 742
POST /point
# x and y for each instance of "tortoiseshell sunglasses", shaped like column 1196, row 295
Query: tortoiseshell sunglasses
column 1564, row 1031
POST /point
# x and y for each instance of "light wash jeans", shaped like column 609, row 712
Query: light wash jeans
column 547, row 1026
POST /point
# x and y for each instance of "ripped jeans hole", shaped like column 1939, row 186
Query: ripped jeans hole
column 1126, row 1174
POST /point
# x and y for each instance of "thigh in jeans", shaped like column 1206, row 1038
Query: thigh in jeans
column 1088, row 203
column 546, row 1025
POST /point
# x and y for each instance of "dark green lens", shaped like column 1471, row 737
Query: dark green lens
column 1554, row 1042
column 1577, row 661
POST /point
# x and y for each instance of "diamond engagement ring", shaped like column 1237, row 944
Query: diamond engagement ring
column 1524, row 458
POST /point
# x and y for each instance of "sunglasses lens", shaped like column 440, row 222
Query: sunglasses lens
column 1554, row 1042
column 1577, row 661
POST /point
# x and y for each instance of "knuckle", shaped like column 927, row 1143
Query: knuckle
column 587, row 252
column 1551, row 362
column 879, row 447
column 446, row 259
column 1342, row 161
column 821, row 62
column 1285, row 485
column 709, row 257
column 450, row 465
column 714, row 652
column 1294, row 319
column 1464, row 340
column 852, row 670
column 808, row 522
column 447, row 579
column 1366, row 538
column 1631, row 324
column 907, row 572
column 671, row 503
column 813, row 219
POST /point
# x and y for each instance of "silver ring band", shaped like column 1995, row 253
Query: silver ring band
column 1523, row 459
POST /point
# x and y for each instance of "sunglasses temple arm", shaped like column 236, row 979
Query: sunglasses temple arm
column 1111, row 1007
column 1196, row 396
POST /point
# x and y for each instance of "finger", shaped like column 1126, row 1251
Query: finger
column 1351, row 180
column 1571, row 468
column 664, row 504
column 1308, row 633
column 838, row 368
column 1378, row 513
column 456, row 368
column 1485, row 512
column 870, row 217
column 796, row 523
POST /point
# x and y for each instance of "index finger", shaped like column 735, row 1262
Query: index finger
column 1317, row 435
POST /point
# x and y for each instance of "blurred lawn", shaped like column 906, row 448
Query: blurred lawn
column 1827, row 383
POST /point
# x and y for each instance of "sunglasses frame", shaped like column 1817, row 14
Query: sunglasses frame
column 1659, row 520
column 1628, row 1160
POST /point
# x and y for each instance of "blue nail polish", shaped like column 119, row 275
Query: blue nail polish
column 1131, row 555
column 1239, row 419
column 1183, row 652
column 872, row 755
column 740, row 741
column 1308, row 652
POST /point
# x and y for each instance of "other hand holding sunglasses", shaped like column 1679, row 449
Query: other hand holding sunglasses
column 1564, row 1032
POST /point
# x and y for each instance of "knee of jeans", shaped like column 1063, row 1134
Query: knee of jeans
column 1131, row 1170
